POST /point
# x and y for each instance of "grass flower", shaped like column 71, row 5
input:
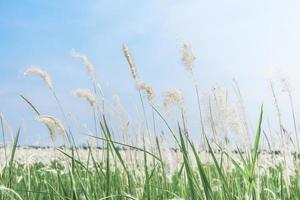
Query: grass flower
column 140, row 85
column 188, row 57
column 86, row 94
column 54, row 125
column 143, row 86
column 131, row 63
column 84, row 59
column 41, row 73
column 173, row 97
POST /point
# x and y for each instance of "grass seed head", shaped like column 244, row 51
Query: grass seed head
column 188, row 57
column 130, row 62
column 143, row 86
column 41, row 73
column 84, row 59
column 173, row 97
column 54, row 125
column 86, row 94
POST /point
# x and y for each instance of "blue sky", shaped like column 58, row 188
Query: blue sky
column 250, row 41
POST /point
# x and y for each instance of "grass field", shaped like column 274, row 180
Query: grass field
column 147, row 167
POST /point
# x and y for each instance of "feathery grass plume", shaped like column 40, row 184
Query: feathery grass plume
column 54, row 125
column 122, row 116
column 226, row 116
column 286, row 88
column 188, row 57
column 84, row 59
column 173, row 97
column 86, row 94
column 242, row 112
column 140, row 85
column 41, row 73
column 143, row 86
column 289, row 169
column 131, row 63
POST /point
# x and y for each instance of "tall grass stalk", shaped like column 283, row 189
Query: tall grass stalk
column 3, row 137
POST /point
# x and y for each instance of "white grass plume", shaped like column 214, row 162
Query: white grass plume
column 173, row 97
column 131, row 63
column 123, row 118
column 140, row 85
column 54, row 125
column 143, row 86
column 86, row 94
column 41, row 73
column 84, row 59
column 188, row 57
column 226, row 118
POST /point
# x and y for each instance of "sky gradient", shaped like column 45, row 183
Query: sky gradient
column 252, row 42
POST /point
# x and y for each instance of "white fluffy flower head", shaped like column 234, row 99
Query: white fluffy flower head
column 131, row 63
column 41, row 73
column 86, row 94
column 143, row 86
column 188, row 57
column 84, row 59
column 173, row 97
column 54, row 125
